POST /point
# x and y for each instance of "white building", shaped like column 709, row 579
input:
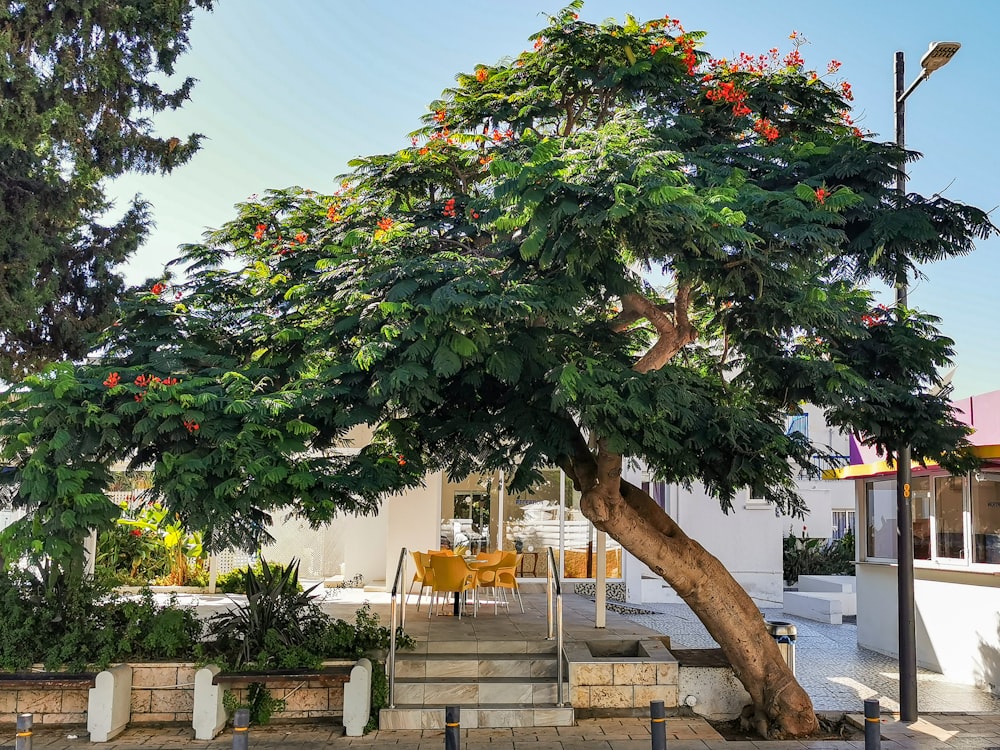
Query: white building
column 479, row 514
column 956, row 531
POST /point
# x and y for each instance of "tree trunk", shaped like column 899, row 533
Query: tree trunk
column 780, row 707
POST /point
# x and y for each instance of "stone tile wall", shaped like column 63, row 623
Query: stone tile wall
column 162, row 693
column 621, row 682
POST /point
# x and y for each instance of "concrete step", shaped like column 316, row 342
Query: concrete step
column 473, row 666
column 833, row 584
column 477, row 716
column 458, row 691
column 479, row 648
column 828, row 607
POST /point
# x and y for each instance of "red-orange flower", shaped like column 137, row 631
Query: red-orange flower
column 766, row 129
column 449, row 207
column 142, row 380
column 302, row 237
column 112, row 380
column 158, row 288
column 136, row 532
column 332, row 213
column 191, row 426
column 482, row 75
column 821, row 195
column 261, row 228
column 385, row 224
column 439, row 115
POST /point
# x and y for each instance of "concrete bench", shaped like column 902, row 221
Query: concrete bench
column 829, row 607
column 830, row 584
column 209, row 716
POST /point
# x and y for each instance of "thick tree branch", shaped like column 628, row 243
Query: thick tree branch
column 674, row 333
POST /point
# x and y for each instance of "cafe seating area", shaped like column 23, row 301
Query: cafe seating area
column 455, row 582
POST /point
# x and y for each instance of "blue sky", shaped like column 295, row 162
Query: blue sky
column 290, row 90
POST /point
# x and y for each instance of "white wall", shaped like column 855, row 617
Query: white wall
column 957, row 620
column 747, row 542
column 414, row 522
column 821, row 497
column 365, row 546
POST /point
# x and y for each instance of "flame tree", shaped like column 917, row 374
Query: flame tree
column 482, row 300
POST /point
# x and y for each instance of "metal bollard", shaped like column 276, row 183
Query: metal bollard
column 658, row 725
column 22, row 739
column 241, row 729
column 873, row 726
column 452, row 728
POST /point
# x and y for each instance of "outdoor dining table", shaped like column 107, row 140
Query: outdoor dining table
column 474, row 565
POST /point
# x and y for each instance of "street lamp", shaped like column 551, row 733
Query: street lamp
column 938, row 55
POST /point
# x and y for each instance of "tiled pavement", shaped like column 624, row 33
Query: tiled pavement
column 931, row 732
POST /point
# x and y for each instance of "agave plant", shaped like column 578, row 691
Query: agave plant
column 277, row 617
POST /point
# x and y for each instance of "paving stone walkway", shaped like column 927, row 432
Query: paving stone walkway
column 961, row 731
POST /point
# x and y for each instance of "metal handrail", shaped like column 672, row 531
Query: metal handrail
column 554, row 613
column 396, row 590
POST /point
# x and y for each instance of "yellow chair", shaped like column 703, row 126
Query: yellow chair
column 486, row 565
column 421, row 574
column 506, row 577
column 452, row 575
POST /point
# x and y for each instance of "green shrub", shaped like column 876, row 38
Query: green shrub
column 802, row 556
column 84, row 625
column 235, row 581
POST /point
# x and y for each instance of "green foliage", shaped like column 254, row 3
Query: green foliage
column 380, row 695
column 258, row 700
column 83, row 626
column 235, row 581
column 479, row 301
column 803, row 556
column 279, row 627
column 271, row 628
column 147, row 546
column 81, row 83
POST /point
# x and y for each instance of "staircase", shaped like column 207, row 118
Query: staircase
column 510, row 683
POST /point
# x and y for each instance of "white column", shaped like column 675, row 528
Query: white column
column 601, row 581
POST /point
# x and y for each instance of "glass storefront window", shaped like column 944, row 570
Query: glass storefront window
column 880, row 518
column 949, row 516
column 986, row 518
column 920, row 496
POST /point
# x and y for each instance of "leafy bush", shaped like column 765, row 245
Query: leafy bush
column 803, row 556
column 147, row 545
column 83, row 625
column 235, row 581
column 274, row 625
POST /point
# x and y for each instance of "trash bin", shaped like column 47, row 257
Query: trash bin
column 784, row 635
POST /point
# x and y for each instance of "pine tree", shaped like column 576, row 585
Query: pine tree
column 78, row 89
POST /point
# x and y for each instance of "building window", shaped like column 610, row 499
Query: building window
column 880, row 518
column 843, row 522
column 798, row 423
column 986, row 518
column 949, row 516
column 921, row 498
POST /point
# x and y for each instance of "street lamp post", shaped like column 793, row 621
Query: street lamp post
column 937, row 55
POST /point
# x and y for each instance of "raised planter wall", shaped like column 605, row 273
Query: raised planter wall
column 163, row 693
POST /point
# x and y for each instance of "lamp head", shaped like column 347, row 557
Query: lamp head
column 938, row 55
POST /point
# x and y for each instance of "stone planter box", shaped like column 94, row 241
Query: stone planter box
column 610, row 677
column 161, row 692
